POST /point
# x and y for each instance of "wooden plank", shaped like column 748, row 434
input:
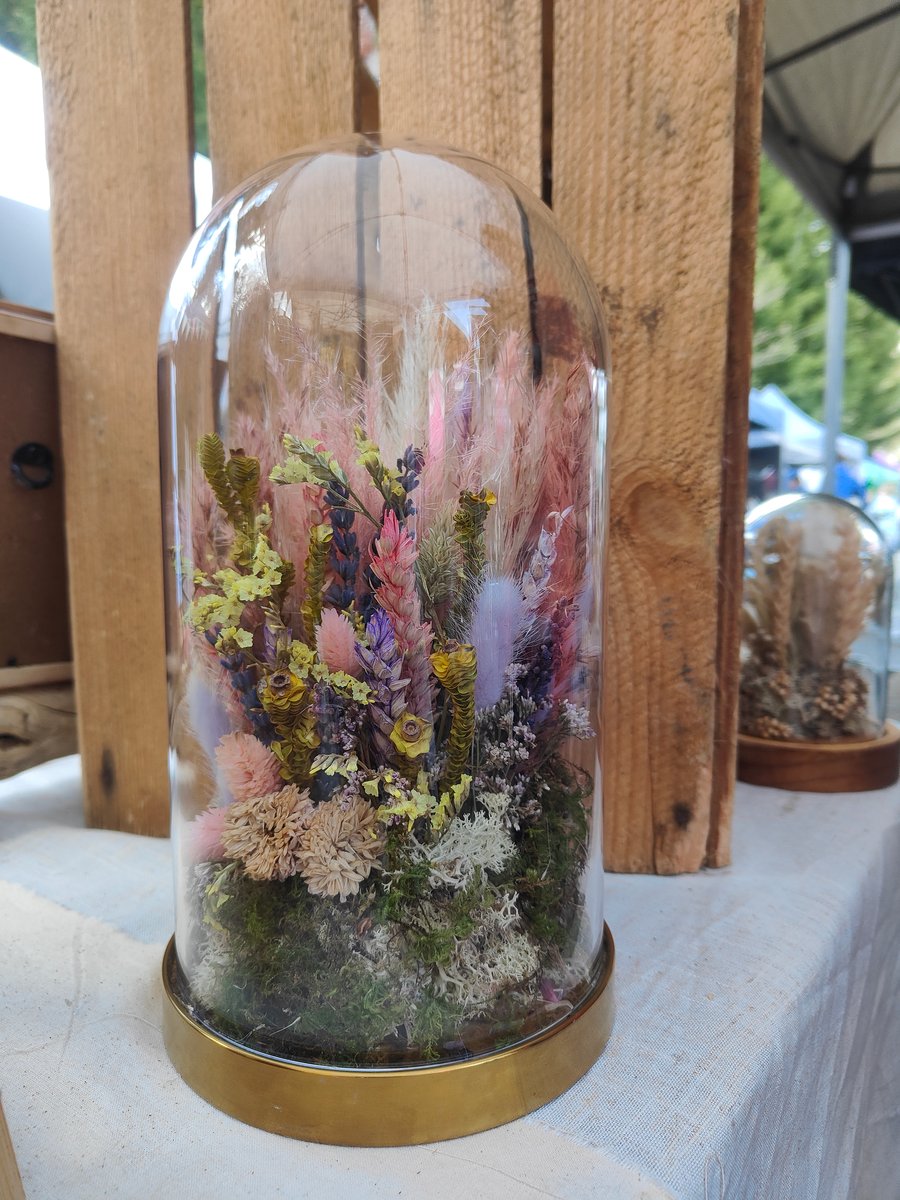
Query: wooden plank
column 34, row 611
column 13, row 679
column 745, row 210
column 10, row 1179
column 469, row 78
column 277, row 80
column 643, row 160
column 116, row 99
column 36, row 725
column 31, row 324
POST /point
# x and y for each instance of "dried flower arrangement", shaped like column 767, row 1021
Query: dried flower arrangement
column 801, row 617
column 391, row 868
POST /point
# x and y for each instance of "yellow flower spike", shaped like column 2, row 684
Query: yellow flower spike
column 411, row 735
column 316, row 561
column 456, row 668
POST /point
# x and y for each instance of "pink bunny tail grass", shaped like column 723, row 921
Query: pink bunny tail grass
column 336, row 643
column 248, row 768
column 203, row 837
column 393, row 562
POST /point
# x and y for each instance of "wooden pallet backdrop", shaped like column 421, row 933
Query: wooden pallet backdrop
column 638, row 118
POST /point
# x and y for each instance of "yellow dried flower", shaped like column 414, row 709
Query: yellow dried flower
column 283, row 696
column 316, row 561
column 456, row 668
column 411, row 735
column 288, row 702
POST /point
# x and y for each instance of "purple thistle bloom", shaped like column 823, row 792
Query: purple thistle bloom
column 382, row 668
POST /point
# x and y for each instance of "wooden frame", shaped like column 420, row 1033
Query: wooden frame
column 642, row 120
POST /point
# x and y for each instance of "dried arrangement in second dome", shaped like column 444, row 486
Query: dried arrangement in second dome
column 803, row 612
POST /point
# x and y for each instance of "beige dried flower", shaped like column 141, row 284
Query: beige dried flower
column 340, row 847
column 264, row 833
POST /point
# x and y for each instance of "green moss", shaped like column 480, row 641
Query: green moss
column 551, row 859
column 436, row 1022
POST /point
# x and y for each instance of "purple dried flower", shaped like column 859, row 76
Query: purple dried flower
column 382, row 670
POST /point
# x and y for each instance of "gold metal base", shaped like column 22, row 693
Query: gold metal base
column 387, row 1106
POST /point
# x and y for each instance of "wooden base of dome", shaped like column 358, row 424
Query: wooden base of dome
column 846, row 766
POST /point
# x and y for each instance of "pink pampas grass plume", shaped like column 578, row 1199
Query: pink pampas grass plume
column 336, row 643
column 249, row 768
column 393, row 562
column 204, row 835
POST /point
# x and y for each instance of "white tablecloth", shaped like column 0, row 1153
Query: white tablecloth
column 756, row 1052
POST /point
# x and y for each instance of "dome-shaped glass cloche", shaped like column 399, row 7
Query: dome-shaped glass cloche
column 383, row 400
column 817, row 606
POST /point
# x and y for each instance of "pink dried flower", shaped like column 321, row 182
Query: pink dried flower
column 336, row 643
column 248, row 768
column 393, row 562
column 204, row 835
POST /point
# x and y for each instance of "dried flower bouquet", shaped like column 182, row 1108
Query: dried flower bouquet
column 391, row 866
column 801, row 617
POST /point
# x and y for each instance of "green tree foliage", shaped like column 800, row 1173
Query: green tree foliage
column 18, row 33
column 792, row 267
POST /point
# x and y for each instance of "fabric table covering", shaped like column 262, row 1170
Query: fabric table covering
column 755, row 1054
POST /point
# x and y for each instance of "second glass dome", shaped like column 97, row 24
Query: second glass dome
column 383, row 390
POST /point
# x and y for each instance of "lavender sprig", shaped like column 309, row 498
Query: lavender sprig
column 410, row 466
column 344, row 559
column 244, row 679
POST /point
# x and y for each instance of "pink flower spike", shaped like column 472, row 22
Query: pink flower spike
column 248, row 768
column 394, row 563
column 336, row 643
column 204, row 835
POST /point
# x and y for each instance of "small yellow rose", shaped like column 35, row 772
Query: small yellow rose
column 411, row 735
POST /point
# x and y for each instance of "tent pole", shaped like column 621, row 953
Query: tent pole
column 836, row 327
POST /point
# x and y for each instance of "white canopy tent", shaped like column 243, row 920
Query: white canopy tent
column 776, row 421
column 831, row 122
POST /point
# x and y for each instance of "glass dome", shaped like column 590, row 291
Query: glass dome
column 817, row 608
column 383, row 397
